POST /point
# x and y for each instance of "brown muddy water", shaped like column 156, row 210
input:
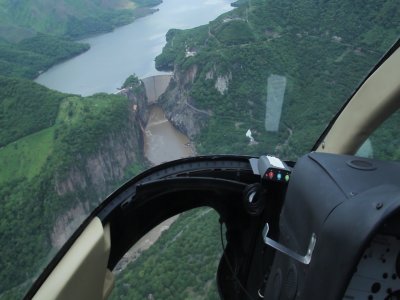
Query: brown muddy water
column 162, row 141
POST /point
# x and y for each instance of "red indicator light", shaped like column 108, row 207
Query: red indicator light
column 271, row 175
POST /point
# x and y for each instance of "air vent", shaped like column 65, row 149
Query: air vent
column 361, row 164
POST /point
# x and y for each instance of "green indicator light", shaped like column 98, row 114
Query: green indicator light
column 287, row 178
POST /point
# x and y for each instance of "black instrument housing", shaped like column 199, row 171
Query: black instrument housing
column 345, row 201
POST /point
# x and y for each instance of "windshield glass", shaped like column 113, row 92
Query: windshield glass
column 94, row 92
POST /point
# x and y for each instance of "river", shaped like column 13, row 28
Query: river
column 162, row 142
column 129, row 49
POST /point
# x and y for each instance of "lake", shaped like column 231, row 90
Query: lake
column 129, row 49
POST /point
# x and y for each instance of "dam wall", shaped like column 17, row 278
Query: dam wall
column 155, row 86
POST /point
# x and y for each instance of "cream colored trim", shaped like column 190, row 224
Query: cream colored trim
column 109, row 276
column 82, row 272
column 108, row 284
column 374, row 102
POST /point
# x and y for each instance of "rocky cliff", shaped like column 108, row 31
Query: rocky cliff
column 118, row 156
column 105, row 167
column 179, row 107
column 101, row 174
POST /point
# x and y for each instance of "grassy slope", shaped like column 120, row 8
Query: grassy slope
column 26, row 157
column 25, row 108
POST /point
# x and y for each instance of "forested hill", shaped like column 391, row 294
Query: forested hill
column 73, row 18
column 320, row 49
column 35, row 35
column 30, row 57
column 60, row 155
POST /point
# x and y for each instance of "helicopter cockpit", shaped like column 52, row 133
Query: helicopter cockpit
column 323, row 227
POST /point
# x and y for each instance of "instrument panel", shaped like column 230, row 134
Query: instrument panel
column 377, row 275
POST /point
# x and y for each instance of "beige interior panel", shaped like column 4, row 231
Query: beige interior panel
column 375, row 101
column 82, row 273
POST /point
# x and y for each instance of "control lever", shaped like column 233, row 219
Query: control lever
column 306, row 259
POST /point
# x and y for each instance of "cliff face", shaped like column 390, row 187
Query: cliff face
column 91, row 180
column 102, row 172
column 105, row 167
column 139, row 104
column 179, row 107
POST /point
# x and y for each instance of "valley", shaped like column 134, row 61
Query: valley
column 62, row 152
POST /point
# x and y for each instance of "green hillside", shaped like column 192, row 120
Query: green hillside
column 45, row 135
column 34, row 55
column 34, row 35
column 323, row 49
column 25, row 108
column 73, row 18
column 180, row 265
column 26, row 157
column 84, row 122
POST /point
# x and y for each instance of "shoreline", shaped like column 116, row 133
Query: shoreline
column 81, row 40
column 151, row 10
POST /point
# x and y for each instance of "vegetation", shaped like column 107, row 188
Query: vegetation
column 34, row 55
column 131, row 82
column 323, row 52
column 322, row 59
column 25, row 108
column 35, row 35
column 81, row 27
column 72, row 18
column 180, row 265
column 26, row 157
column 46, row 134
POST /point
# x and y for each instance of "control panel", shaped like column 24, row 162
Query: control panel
column 271, row 168
column 377, row 273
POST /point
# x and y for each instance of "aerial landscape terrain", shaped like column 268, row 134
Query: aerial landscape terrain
column 61, row 154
